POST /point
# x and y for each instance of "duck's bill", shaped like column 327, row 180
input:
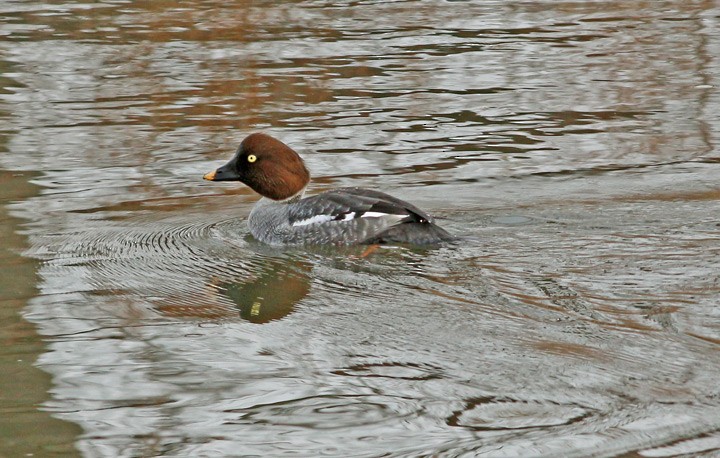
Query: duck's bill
column 224, row 173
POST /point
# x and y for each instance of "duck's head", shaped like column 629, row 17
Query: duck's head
column 267, row 165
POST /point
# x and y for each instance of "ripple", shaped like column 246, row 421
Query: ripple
column 332, row 411
column 686, row 447
column 394, row 370
column 484, row 414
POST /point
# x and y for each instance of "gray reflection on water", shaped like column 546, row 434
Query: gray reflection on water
column 572, row 144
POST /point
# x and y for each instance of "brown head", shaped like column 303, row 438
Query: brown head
column 267, row 165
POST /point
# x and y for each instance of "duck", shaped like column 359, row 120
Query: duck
column 343, row 216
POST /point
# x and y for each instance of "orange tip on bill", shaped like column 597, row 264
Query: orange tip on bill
column 210, row 176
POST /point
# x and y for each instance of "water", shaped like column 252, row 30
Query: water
column 572, row 145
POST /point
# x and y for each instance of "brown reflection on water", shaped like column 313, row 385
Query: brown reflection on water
column 569, row 349
column 676, row 196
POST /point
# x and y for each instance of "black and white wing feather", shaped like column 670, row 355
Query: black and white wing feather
column 364, row 215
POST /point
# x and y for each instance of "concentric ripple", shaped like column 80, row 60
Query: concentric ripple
column 498, row 414
column 179, row 268
column 332, row 412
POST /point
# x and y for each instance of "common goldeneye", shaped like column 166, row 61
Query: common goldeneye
column 345, row 216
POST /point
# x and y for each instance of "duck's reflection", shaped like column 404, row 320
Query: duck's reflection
column 267, row 293
column 271, row 295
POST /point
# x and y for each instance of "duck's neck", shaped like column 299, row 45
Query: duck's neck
column 292, row 199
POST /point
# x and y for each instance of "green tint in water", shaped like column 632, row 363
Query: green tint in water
column 26, row 429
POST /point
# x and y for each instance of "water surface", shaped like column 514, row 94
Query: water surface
column 571, row 144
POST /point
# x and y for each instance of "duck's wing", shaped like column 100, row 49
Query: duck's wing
column 347, row 204
column 352, row 215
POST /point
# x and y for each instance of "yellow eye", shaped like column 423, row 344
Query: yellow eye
column 252, row 158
